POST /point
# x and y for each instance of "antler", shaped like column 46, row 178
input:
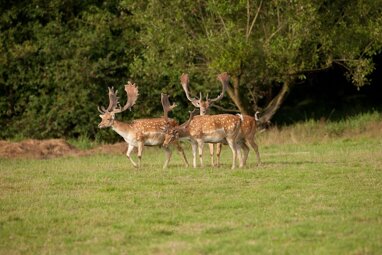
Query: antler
column 132, row 96
column 113, row 101
column 192, row 115
column 184, row 80
column 224, row 79
column 166, row 105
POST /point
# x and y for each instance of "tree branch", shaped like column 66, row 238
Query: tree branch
column 254, row 19
column 236, row 100
column 222, row 21
column 275, row 104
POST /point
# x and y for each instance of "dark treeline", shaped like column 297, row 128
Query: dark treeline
column 57, row 58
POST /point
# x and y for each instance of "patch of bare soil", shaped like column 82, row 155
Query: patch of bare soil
column 51, row 148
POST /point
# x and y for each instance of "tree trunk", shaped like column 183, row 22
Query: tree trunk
column 275, row 104
column 234, row 94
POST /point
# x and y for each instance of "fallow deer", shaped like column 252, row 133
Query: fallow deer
column 248, row 127
column 208, row 129
column 204, row 105
column 141, row 132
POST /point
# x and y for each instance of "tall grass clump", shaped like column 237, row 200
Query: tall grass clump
column 362, row 125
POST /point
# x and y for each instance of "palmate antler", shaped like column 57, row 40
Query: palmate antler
column 113, row 101
column 167, row 107
column 184, row 80
column 132, row 96
column 224, row 79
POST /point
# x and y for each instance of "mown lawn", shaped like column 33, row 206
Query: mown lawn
column 316, row 198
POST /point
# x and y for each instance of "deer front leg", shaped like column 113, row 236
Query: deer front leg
column 194, row 146
column 232, row 144
column 130, row 148
column 168, row 156
column 181, row 151
column 200, row 150
column 140, row 149
column 211, row 147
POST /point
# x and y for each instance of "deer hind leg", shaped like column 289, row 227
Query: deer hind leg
column 245, row 149
column 232, row 144
column 130, row 149
column 256, row 149
column 140, row 149
column 211, row 147
column 181, row 151
column 168, row 157
column 218, row 151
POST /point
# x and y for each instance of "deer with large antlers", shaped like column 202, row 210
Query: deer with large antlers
column 246, row 137
column 208, row 129
column 141, row 132
column 204, row 106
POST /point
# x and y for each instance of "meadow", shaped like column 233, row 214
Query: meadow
column 318, row 191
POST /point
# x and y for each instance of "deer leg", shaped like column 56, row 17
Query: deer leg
column 168, row 157
column 244, row 153
column 181, row 151
column 211, row 146
column 194, row 146
column 256, row 149
column 200, row 150
column 218, row 151
column 140, row 149
column 130, row 148
column 232, row 144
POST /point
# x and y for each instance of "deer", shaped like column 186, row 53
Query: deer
column 246, row 138
column 202, row 129
column 203, row 106
column 140, row 132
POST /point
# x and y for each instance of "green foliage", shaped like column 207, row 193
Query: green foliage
column 58, row 57
column 56, row 60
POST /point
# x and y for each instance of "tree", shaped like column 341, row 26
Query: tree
column 265, row 46
column 56, row 60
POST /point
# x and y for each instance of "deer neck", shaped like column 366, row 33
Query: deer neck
column 183, row 132
column 121, row 128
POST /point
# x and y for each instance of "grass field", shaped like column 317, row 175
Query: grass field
column 306, row 198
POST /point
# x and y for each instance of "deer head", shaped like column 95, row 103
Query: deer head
column 108, row 114
column 204, row 105
column 172, row 133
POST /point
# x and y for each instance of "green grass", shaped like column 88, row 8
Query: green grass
column 306, row 198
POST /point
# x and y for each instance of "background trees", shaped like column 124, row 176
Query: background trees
column 58, row 57
column 264, row 45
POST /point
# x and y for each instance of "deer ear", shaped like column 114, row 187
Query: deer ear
column 100, row 116
column 196, row 103
column 165, row 128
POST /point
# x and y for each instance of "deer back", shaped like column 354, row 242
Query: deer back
column 204, row 125
column 149, row 131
